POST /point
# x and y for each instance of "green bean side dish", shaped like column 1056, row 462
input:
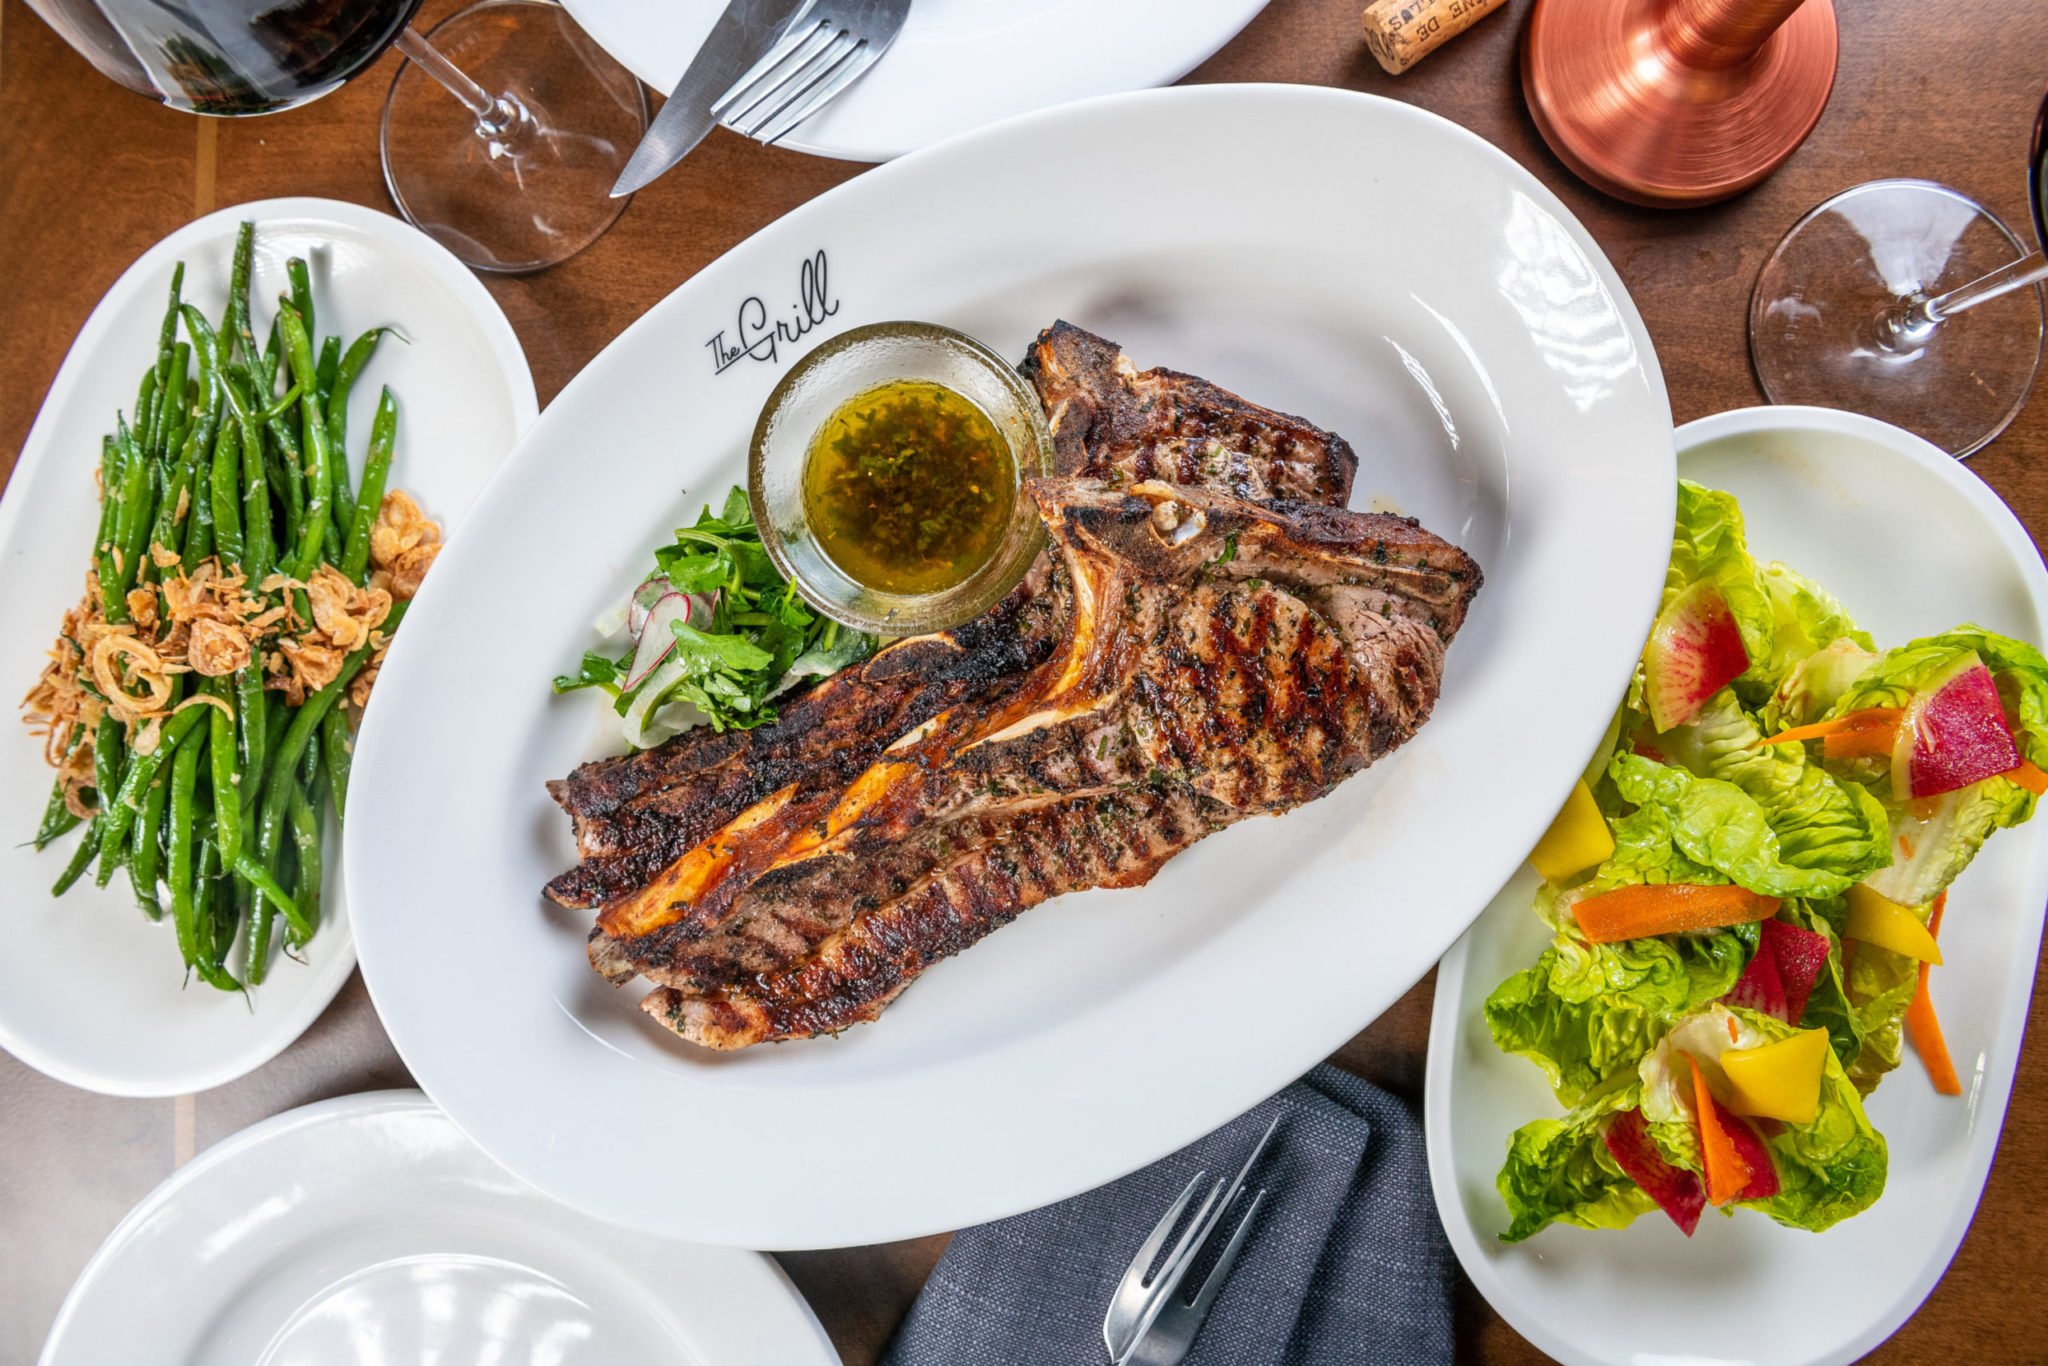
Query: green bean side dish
column 241, row 594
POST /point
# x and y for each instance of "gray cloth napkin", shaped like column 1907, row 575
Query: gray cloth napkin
column 1346, row 1264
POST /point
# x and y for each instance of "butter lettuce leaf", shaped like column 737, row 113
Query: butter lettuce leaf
column 1558, row 1171
column 1827, row 1170
column 1708, row 545
column 1827, row 1005
column 1806, row 619
column 1831, row 1168
column 1587, row 1013
column 1935, row 841
column 1880, row 986
column 1821, row 822
column 1712, row 824
column 1646, row 851
column 1810, row 689
column 2019, row 668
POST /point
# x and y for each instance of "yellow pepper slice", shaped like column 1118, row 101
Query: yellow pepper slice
column 1778, row 1080
column 1577, row 839
column 1874, row 919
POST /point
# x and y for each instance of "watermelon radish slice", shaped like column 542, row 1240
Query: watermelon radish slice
column 1782, row 972
column 1676, row 1190
column 1695, row 650
column 1755, row 1154
column 1953, row 734
column 1761, row 986
column 1802, row 955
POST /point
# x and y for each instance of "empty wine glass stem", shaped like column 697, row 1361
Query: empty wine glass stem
column 1912, row 321
column 495, row 117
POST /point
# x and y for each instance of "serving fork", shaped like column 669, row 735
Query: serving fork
column 1150, row 1323
column 825, row 49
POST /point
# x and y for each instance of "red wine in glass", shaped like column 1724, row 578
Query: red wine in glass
column 513, row 181
column 227, row 57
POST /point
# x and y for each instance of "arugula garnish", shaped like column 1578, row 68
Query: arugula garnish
column 760, row 637
column 595, row 672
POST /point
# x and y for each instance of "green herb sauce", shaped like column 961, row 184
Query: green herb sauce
column 909, row 487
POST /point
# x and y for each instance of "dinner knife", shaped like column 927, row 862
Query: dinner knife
column 737, row 40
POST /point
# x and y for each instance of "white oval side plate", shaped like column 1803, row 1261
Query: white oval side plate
column 1833, row 495
column 957, row 65
column 368, row 1229
column 1513, row 405
column 90, row 991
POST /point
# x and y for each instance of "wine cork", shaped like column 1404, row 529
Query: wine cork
column 1403, row 32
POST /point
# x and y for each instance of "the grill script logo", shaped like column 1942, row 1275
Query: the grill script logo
column 757, row 335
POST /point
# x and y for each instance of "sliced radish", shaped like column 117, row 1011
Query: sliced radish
column 1695, row 651
column 1953, row 734
column 1676, row 1190
column 1782, row 972
column 1802, row 956
column 1755, row 1154
column 642, row 602
column 656, row 636
column 1761, row 986
column 656, row 639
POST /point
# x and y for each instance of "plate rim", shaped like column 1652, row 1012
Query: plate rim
column 1159, row 73
column 1235, row 97
column 359, row 1104
column 393, row 234
column 1448, row 1007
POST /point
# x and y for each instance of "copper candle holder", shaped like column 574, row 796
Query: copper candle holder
column 1671, row 103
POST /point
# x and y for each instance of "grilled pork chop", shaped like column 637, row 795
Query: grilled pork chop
column 1222, row 658
column 636, row 815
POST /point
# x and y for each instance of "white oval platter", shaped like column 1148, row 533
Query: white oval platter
column 1512, row 403
column 1912, row 543
column 90, row 992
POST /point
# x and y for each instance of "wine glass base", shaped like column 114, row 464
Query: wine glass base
column 1817, row 331
column 536, row 190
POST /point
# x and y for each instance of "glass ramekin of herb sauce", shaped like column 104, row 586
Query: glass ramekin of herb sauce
column 887, row 476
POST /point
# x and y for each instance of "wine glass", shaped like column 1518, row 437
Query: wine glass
column 1910, row 302
column 511, row 181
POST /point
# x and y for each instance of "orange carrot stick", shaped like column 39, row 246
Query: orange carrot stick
column 1924, row 1030
column 1864, row 735
column 1727, row 1174
column 1668, row 908
column 1870, row 719
column 2031, row 778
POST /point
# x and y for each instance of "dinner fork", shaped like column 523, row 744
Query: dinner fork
column 825, row 49
column 1149, row 1321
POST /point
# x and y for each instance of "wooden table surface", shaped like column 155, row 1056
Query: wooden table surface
column 90, row 176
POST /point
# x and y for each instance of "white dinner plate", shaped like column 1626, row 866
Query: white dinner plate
column 90, row 992
column 367, row 1231
column 1512, row 403
column 957, row 65
column 1912, row 543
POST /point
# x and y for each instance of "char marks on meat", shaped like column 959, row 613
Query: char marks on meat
column 636, row 815
column 1113, row 422
column 1223, row 645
